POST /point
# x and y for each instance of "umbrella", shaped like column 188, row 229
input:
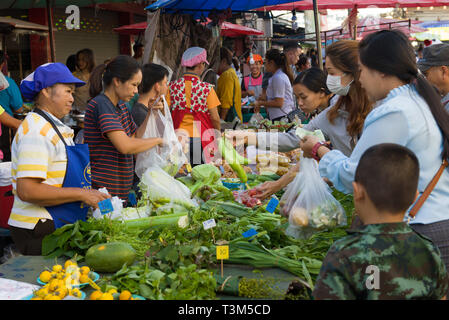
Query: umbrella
column 370, row 24
column 200, row 8
column 347, row 4
column 227, row 29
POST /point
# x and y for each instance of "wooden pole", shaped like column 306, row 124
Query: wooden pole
column 20, row 58
column 50, row 31
column 318, row 34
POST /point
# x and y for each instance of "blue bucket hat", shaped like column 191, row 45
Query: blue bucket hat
column 45, row 76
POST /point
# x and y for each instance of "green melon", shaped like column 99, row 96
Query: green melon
column 110, row 257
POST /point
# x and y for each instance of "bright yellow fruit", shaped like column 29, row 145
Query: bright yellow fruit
column 106, row 296
column 41, row 292
column 54, row 285
column 84, row 270
column 112, row 291
column 69, row 263
column 76, row 293
column 57, row 268
column 36, row 298
column 84, row 278
column 45, row 276
column 125, row 295
column 95, row 295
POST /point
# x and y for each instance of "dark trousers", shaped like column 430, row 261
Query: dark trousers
column 5, row 143
column 29, row 242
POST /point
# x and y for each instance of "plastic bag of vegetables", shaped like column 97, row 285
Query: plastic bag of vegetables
column 315, row 207
column 170, row 156
column 159, row 188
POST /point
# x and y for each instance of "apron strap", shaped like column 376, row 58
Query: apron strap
column 46, row 117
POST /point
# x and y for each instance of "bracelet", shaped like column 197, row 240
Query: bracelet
column 315, row 150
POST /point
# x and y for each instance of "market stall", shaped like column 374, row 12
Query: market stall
column 203, row 224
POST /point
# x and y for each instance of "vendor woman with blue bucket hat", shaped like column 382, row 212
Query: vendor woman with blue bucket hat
column 51, row 175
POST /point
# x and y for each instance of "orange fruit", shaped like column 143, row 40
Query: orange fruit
column 95, row 295
column 45, row 276
column 84, row 270
column 84, row 278
column 125, row 295
column 106, row 296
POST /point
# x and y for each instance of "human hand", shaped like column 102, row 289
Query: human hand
column 91, row 197
column 307, row 144
column 267, row 189
column 156, row 104
column 251, row 92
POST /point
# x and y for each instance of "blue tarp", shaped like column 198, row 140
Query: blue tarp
column 202, row 7
column 435, row 24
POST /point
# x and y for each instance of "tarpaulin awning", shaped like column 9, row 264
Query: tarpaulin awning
column 347, row 4
column 435, row 24
column 369, row 25
column 197, row 8
column 28, row 4
column 227, row 29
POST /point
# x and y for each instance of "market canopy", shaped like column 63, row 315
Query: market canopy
column 28, row 4
column 347, row 4
column 369, row 25
column 227, row 29
column 200, row 8
column 8, row 25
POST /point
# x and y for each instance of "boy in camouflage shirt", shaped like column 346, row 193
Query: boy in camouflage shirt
column 384, row 258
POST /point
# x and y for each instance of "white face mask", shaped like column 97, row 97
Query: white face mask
column 334, row 85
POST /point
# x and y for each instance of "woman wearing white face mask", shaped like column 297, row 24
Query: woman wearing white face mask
column 341, row 121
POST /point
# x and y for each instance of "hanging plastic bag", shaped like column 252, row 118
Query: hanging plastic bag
column 314, row 208
column 4, row 84
column 170, row 156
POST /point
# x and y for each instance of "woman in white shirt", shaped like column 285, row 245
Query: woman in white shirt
column 409, row 113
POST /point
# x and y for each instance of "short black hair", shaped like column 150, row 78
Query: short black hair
column 226, row 54
column 303, row 59
column 70, row 62
column 151, row 74
column 137, row 45
column 313, row 79
column 389, row 173
column 291, row 46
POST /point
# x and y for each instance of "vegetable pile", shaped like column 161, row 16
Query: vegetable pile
column 168, row 254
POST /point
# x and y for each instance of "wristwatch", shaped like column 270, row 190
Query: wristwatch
column 315, row 150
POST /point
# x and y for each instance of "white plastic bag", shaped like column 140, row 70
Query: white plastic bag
column 4, row 84
column 314, row 208
column 5, row 174
column 158, row 186
column 170, row 156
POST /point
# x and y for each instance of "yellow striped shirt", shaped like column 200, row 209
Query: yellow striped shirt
column 37, row 152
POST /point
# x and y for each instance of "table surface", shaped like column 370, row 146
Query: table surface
column 28, row 268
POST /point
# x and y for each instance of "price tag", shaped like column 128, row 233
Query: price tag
column 272, row 205
column 251, row 232
column 208, row 224
column 222, row 252
column 105, row 206
column 132, row 199
column 188, row 167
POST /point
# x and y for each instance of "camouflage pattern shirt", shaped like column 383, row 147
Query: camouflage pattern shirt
column 382, row 261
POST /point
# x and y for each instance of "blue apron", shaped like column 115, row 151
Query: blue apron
column 77, row 175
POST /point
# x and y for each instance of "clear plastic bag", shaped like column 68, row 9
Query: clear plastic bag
column 314, row 207
column 255, row 119
column 4, row 84
column 170, row 156
column 159, row 187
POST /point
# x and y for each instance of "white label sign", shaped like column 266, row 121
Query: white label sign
column 208, row 224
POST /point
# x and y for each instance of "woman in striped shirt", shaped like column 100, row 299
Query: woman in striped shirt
column 109, row 129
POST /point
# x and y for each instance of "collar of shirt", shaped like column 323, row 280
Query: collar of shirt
column 382, row 228
column 57, row 121
column 191, row 75
column 445, row 99
column 397, row 92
